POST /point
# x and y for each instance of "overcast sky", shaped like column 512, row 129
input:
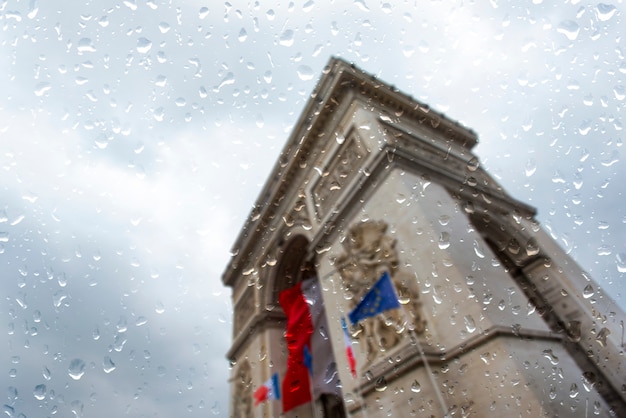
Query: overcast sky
column 135, row 137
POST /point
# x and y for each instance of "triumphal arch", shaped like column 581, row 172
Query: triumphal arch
column 493, row 318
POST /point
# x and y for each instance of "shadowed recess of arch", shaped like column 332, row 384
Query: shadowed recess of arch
column 290, row 269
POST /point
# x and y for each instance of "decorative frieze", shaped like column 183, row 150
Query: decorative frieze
column 344, row 167
column 299, row 214
column 244, row 310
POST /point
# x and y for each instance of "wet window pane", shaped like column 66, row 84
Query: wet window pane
column 135, row 137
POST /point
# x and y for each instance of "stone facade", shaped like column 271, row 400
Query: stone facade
column 495, row 319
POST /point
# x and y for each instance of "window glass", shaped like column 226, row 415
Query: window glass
column 136, row 135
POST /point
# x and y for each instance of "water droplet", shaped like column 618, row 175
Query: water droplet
column 605, row 12
column 552, row 393
column 243, row 35
column 416, row 387
column 119, row 342
column 58, row 298
column 33, row 9
column 158, row 114
column 107, row 365
column 131, row 4
column 361, row 4
column 554, row 360
column 620, row 92
column 513, row 246
column 620, row 261
column 404, row 297
column 588, row 291
column 381, row 384
column 601, row 337
column 478, row 249
column 485, row 357
column 103, row 21
column 532, row 248
column 286, row 38
column 42, row 88
column 76, row 369
column 77, row 408
column 569, row 28
column 473, row 164
column 122, row 325
column 589, row 381
column 46, row 373
column 40, row 392
column 585, row 127
column 227, row 80
column 444, row 240
column 408, row 51
column 573, row 391
column 85, row 45
column 160, row 80
column 144, row 45
column 164, row 27
column 160, row 308
column 305, row 73
column 611, row 159
column 470, row 325
column 436, row 295
column 573, row 331
column 531, row 167
column 468, row 207
column 204, row 12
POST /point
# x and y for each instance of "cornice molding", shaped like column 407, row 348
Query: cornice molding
column 410, row 358
column 257, row 324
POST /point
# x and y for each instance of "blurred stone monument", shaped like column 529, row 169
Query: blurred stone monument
column 496, row 318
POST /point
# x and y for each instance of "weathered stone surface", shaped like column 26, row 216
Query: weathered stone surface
column 495, row 318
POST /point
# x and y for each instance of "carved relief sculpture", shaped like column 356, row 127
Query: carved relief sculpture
column 369, row 252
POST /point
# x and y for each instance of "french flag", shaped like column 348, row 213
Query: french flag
column 311, row 369
column 267, row 391
column 349, row 351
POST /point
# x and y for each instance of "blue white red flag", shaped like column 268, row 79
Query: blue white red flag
column 380, row 298
column 311, row 369
column 267, row 391
column 348, row 343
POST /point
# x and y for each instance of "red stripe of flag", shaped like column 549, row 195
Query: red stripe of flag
column 296, row 388
column 260, row 395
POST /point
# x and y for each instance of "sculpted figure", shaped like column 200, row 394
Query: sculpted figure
column 369, row 252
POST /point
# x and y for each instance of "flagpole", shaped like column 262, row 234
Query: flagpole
column 360, row 392
column 358, row 388
column 431, row 377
